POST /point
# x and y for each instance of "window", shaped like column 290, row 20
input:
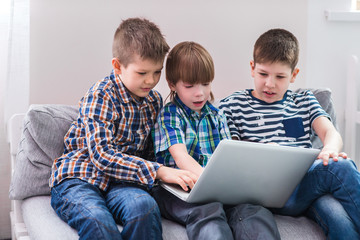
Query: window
column 351, row 15
column 355, row 5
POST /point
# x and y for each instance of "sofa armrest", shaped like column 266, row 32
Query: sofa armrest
column 14, row 129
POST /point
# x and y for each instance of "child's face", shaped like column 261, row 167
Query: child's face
column 272, row 80
column 140, row 76
column 192, row 95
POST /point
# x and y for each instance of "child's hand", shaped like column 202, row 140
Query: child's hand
column 172, row 175
column 326, row 153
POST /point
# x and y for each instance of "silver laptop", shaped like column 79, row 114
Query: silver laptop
column 246, row 172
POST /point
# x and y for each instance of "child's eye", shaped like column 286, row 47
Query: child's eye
column 188, row 86
column 206, row 84
column 158, row 72
column 141, row 73
column 280, row 77
column 263, row 74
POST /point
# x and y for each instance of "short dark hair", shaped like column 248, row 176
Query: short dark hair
column 277, row 45
column 138, row 36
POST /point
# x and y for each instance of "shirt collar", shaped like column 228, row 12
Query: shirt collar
column 125, row 95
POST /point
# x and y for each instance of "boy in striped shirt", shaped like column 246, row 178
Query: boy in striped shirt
column 270, row 113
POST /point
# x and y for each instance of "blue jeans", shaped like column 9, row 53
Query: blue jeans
column 215, row 221
column 339, row 179
column 336, row 223
column 94, row 213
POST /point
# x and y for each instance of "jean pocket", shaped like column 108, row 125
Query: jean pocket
column 294, row 127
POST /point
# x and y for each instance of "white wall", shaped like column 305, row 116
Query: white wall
column 329, row 45
column 70, row 42
column 70, row 49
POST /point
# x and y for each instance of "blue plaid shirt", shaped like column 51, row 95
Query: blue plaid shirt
column 201, row 134
column 110, row 138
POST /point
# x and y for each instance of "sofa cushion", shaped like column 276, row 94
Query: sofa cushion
column 40, row 220
column 41, row 142
column 38, row 212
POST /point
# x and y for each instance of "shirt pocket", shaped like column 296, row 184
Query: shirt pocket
column 294, row 127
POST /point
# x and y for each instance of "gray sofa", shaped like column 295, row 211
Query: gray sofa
column 36, row 138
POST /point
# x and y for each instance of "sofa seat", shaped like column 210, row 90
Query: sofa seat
column 37, row 211
column 40, row 219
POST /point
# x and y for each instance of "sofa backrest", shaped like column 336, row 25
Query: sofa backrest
column 323, row 95
column 44, row 128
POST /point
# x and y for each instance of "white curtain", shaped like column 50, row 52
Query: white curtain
column 14, row 87
column 17, row 82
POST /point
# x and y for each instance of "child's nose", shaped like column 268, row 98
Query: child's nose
column 151, row 80
column 270, row 82
column 199, row 91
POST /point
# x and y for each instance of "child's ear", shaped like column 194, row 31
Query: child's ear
column 252, row 65
column 171, row 86
column 116, row 66
column 294, row 74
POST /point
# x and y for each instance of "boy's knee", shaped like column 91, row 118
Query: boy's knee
column 93, row 215
column 345, row 166
column 347, row 163
column 208, row 211
column 93, row 222
column 143, row 205
column 245, row 211
column 252, row 222
column 342, row 166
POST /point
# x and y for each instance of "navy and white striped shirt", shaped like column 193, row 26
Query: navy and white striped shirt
column 286, row 122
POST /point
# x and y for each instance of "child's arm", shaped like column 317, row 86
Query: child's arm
column 183, row 160
column 330, row 138
column 172, row 175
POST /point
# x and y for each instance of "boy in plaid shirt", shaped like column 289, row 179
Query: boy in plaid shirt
column 106, row 171
column 187, row 131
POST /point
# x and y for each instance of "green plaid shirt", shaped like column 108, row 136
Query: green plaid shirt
column 201, row 134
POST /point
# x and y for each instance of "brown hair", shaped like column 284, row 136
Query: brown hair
column 138, row 36
column 190, row 63
column 277, row 45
